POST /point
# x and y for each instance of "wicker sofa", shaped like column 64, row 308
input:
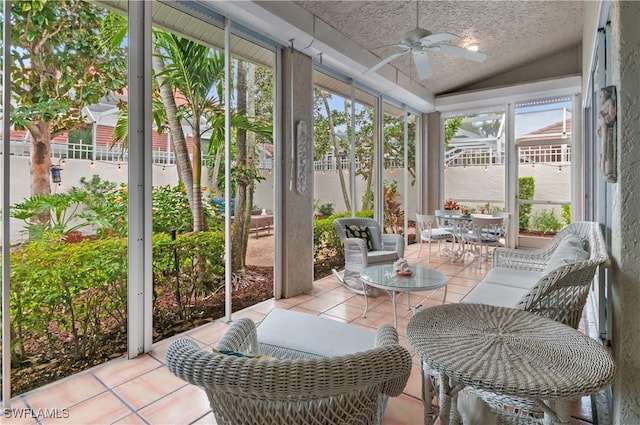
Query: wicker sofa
column 552, row 281
column 297, row 384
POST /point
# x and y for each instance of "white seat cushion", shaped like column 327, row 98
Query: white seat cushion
column 311, row 334
column 436, row 234
column 492, row 294
column 505, row 276
column 381, row 257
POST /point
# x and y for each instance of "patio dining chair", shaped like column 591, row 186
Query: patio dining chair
column 484, row 232
column 428, row 231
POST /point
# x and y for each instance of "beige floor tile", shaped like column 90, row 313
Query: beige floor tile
column 132, row 419
column 337, row 294
column 70, row 391
column 146, row 389
column 319, row 305
column 209, row 333
column 346, row 311
column 18, row 414
column 414, row 385
column 403, row 410
column 184, row 406
column 104, row 408
column 121, row 370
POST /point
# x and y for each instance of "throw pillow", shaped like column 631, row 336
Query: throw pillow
column 362, row 232
column 569, row 250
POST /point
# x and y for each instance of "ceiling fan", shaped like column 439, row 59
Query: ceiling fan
column 419, row 41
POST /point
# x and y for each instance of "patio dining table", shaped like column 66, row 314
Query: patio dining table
column 457, row 225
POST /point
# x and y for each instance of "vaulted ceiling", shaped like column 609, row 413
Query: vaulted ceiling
column 511, row 33
column 525, row 40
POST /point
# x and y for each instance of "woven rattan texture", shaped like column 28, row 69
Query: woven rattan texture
column 355, row 249
column 562, row 293
column 350, row 389
column 509, row 351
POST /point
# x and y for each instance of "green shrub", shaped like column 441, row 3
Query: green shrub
column 68, row 295
column 107, row 205
column 327, row 247
column 72, row 296
column 526, row 189
column 566, row 213
column 325, row 209
column 61, row 209
column 191, row 267
column 546, row 222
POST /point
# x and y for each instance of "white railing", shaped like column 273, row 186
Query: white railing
column 459, row 157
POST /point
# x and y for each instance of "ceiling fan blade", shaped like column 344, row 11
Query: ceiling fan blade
column 459, row 51
column 438, row 38
column 384, row 62
column 421, row 60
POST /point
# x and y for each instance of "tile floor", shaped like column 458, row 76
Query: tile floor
column 143, row 391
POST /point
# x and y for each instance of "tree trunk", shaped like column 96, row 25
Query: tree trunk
column 40, row 158
column 196, row 206
column 334, row 140
column 213, row 184
column 242, row 214
column 40, row 165
column 183, row 162
column 251, row 149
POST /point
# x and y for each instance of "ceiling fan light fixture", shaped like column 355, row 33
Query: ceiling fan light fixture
column 474, row 47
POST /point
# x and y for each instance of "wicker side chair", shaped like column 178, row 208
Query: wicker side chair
column 349, row 389
column 385, row 248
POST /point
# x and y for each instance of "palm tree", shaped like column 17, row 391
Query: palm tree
column 189, row 78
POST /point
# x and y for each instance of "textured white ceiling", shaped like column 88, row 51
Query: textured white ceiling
column 512, row 33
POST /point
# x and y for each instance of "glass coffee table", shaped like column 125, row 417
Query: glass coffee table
column 384, row 277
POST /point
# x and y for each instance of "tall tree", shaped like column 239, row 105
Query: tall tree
column 60, row 64
column 195, row 72
column 335, row 142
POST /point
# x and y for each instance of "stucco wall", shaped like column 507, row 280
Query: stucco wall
column 73, row 171
column 296, row 209
column 625, row 43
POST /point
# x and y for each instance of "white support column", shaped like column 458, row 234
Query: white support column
column 227, row 170
column 378, row 212
column 6, row 229
column 511, row 177
column 577, row 161
column 139, row 293
column 352, row 156
column 405, row 178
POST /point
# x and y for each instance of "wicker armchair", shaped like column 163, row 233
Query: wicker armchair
column 349, row 389
column 385, row 249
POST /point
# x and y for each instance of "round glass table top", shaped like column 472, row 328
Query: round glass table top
column 384, row 276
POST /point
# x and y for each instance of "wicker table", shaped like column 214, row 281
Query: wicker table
column 384, row 276
column 507, row 352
